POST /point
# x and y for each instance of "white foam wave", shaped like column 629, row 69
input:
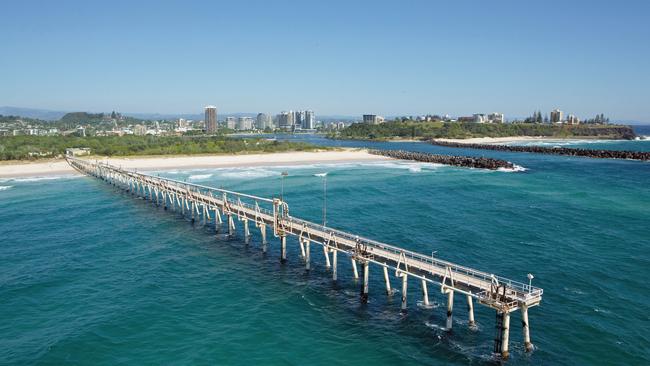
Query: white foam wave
column 411, row 167
column 38, row 179
column 4, row 188
column 199, row 176
column 516, row 168
column 248, row 173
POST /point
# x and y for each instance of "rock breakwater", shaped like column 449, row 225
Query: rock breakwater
column 463, row 161
column 590, row 153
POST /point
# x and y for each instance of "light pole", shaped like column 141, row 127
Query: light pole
column 530, row 282
column 282, row 175
column 324, row 176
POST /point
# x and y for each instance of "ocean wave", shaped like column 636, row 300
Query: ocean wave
column 411, row 167
column 4, row 188
column 38, row 179
column 248, row 173
column 515, row 168
column 199, row 176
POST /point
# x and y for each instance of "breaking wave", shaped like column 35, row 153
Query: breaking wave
column 199, row 176
column 4, row 188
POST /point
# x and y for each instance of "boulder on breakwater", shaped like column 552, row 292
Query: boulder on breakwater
column 590, row 153
column 463, row 161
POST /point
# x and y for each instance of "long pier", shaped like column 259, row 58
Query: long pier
column 221, row 207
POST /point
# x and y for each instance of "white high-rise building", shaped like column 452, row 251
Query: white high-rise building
column 263, row 121
column 286, row 120
column 309, row 120
column 231, row 123
column 244, row 123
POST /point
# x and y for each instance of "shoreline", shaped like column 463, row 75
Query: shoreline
column 16, row 169
column 502, row 140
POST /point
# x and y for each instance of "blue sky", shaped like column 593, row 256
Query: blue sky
column 336, row 57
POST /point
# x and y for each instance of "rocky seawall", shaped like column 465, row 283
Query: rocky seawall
column 590, row 153
column 462, row 161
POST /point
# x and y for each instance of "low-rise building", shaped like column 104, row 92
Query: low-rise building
column 373, row 119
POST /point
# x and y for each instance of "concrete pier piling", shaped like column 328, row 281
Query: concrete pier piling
column 263, row 235
column 283, row 249
column 450, row 308
column 247, row 233
column 355, row 272
column 470, row 312
column 526, row 329
column 389, row 291
column 364, row 289
column 404, row 291
column 501, row 294
column 327, row 257
column 505, row 336
column 334, row 264
column 425, row 294
column 307, row 255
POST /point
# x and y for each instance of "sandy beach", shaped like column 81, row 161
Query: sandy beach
column 61, row 167
column 501, row 140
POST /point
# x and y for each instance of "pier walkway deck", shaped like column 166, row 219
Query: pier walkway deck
column 222, row 207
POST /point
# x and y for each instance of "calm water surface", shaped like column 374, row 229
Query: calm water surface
column 89, row 275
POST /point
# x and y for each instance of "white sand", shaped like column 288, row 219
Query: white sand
column 61, row 167
column 500, row 140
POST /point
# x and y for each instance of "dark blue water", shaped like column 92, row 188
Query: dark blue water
column 89, row 275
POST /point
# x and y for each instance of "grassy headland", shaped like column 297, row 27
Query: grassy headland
column 40, row 147
column 462, row 130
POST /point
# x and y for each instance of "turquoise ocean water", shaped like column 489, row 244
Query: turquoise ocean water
column 89, row 275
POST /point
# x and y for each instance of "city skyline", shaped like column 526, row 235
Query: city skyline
column 379, row 57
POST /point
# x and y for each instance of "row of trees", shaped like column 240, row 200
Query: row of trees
column 36, row 147
column 536, row 117
column 429, row 130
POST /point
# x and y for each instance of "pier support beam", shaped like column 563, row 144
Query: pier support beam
column 450, row 308
column 334, row 260
column 364, row 288
column 307, row 255
column 217, row 220
column 283, row 249
column 247, row 233
column 505, row 336
column 526, row 328
column 389, row 291
column 302, row 248
column 470, row 312
column 354, row 269
column 404, row 291
column 425, row 294
column 327, row 257
column 231, row 225
column 263, row 234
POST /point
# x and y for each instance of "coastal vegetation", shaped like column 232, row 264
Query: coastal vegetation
column 400, row 129
column 38, row 147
